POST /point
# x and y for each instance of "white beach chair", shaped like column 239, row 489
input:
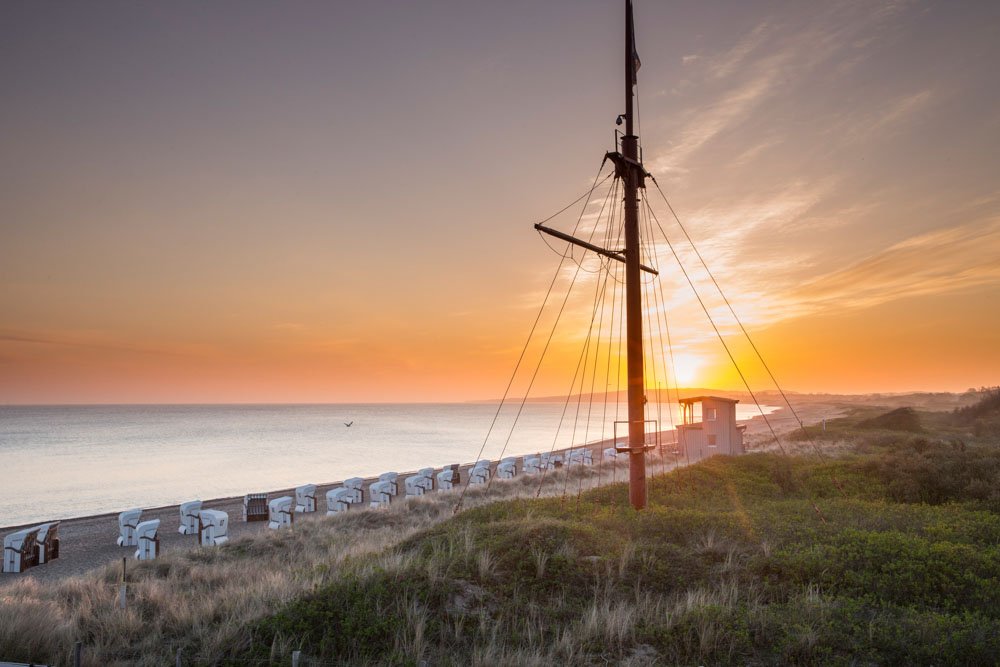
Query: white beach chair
column 531, row 465
column 444, row 478
column 127, row 522
column 479, row 474
column 147, row 540
column 213, row 528
column 610, row 454
column 415, row 485
column 280, row 512
column 392, row 478
column 381, row 494
column 19, row 550
column 428, row 475
column 507, row 468
column 579, row 457
column 356, row 485
column 339, row 500
column 190, row 512
column 305, row 498
column 47, row 542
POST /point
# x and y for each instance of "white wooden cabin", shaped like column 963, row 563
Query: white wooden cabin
column 708, row 427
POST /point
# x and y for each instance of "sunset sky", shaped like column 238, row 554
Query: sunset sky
column 331, row 201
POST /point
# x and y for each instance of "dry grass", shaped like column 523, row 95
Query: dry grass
column 201, row 601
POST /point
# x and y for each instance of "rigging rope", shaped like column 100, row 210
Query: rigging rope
column 541, row 358
column 743, row 329
column 722, row 340
column 534, row 325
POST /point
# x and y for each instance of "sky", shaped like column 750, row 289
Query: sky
column 333, row 202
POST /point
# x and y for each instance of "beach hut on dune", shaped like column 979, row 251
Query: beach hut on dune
column 708, row 427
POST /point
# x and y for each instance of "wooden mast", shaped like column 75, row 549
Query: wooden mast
column 629, row 169
column 632, row 172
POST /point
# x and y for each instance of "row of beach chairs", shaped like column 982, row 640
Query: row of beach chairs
column 30, row 547
column 211, row 526
column 38, row 545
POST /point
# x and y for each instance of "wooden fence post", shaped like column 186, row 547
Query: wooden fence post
column 177, row 660
column 296, row 656
column 77, row 653
column 122, row 592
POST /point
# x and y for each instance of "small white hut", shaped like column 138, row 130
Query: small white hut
column 708, row 427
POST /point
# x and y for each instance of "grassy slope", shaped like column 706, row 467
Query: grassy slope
column 732, row 563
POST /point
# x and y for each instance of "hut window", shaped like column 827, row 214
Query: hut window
column 710, row 414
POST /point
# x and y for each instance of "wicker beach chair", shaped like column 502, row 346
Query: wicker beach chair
column 147, row 540
column 507, row 468
column 19, row 550
column 339, row 500
column 392, row 478
column 127, row 523
column 414, row 485
column 190, row 512
column 305, row 498
column 531, row 465
column 255, row 507
column 444, row 478
column 357, row 487
column 428, row 475
column 213, row 528
column 480, row 473
column 281, row 512
column 380, row 493
column 47, row 542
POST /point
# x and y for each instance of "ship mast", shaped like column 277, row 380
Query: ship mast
column 631, row 172
column 629, row 169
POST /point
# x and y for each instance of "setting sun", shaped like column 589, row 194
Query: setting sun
column 686, row 369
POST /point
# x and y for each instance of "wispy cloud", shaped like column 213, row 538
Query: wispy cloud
column 940, row 261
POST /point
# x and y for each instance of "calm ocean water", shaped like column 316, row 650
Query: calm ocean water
column 67, row 461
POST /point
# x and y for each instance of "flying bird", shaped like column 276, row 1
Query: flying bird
column 348, row 424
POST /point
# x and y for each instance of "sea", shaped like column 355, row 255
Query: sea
column 60, row 462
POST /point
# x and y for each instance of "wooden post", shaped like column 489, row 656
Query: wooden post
column 124, row 586
column 177, row 659
column 77, row 653
column 296, row 656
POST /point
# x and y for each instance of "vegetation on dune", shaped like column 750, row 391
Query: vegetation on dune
column 900, row 419
column 984, row 415
column 730, row 564
column 888, row 552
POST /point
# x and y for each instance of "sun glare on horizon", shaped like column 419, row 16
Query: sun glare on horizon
column 686, row 368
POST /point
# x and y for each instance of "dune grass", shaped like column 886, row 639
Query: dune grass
column 731, row 564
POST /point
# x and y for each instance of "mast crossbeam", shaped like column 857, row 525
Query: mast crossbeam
column 612, row 254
